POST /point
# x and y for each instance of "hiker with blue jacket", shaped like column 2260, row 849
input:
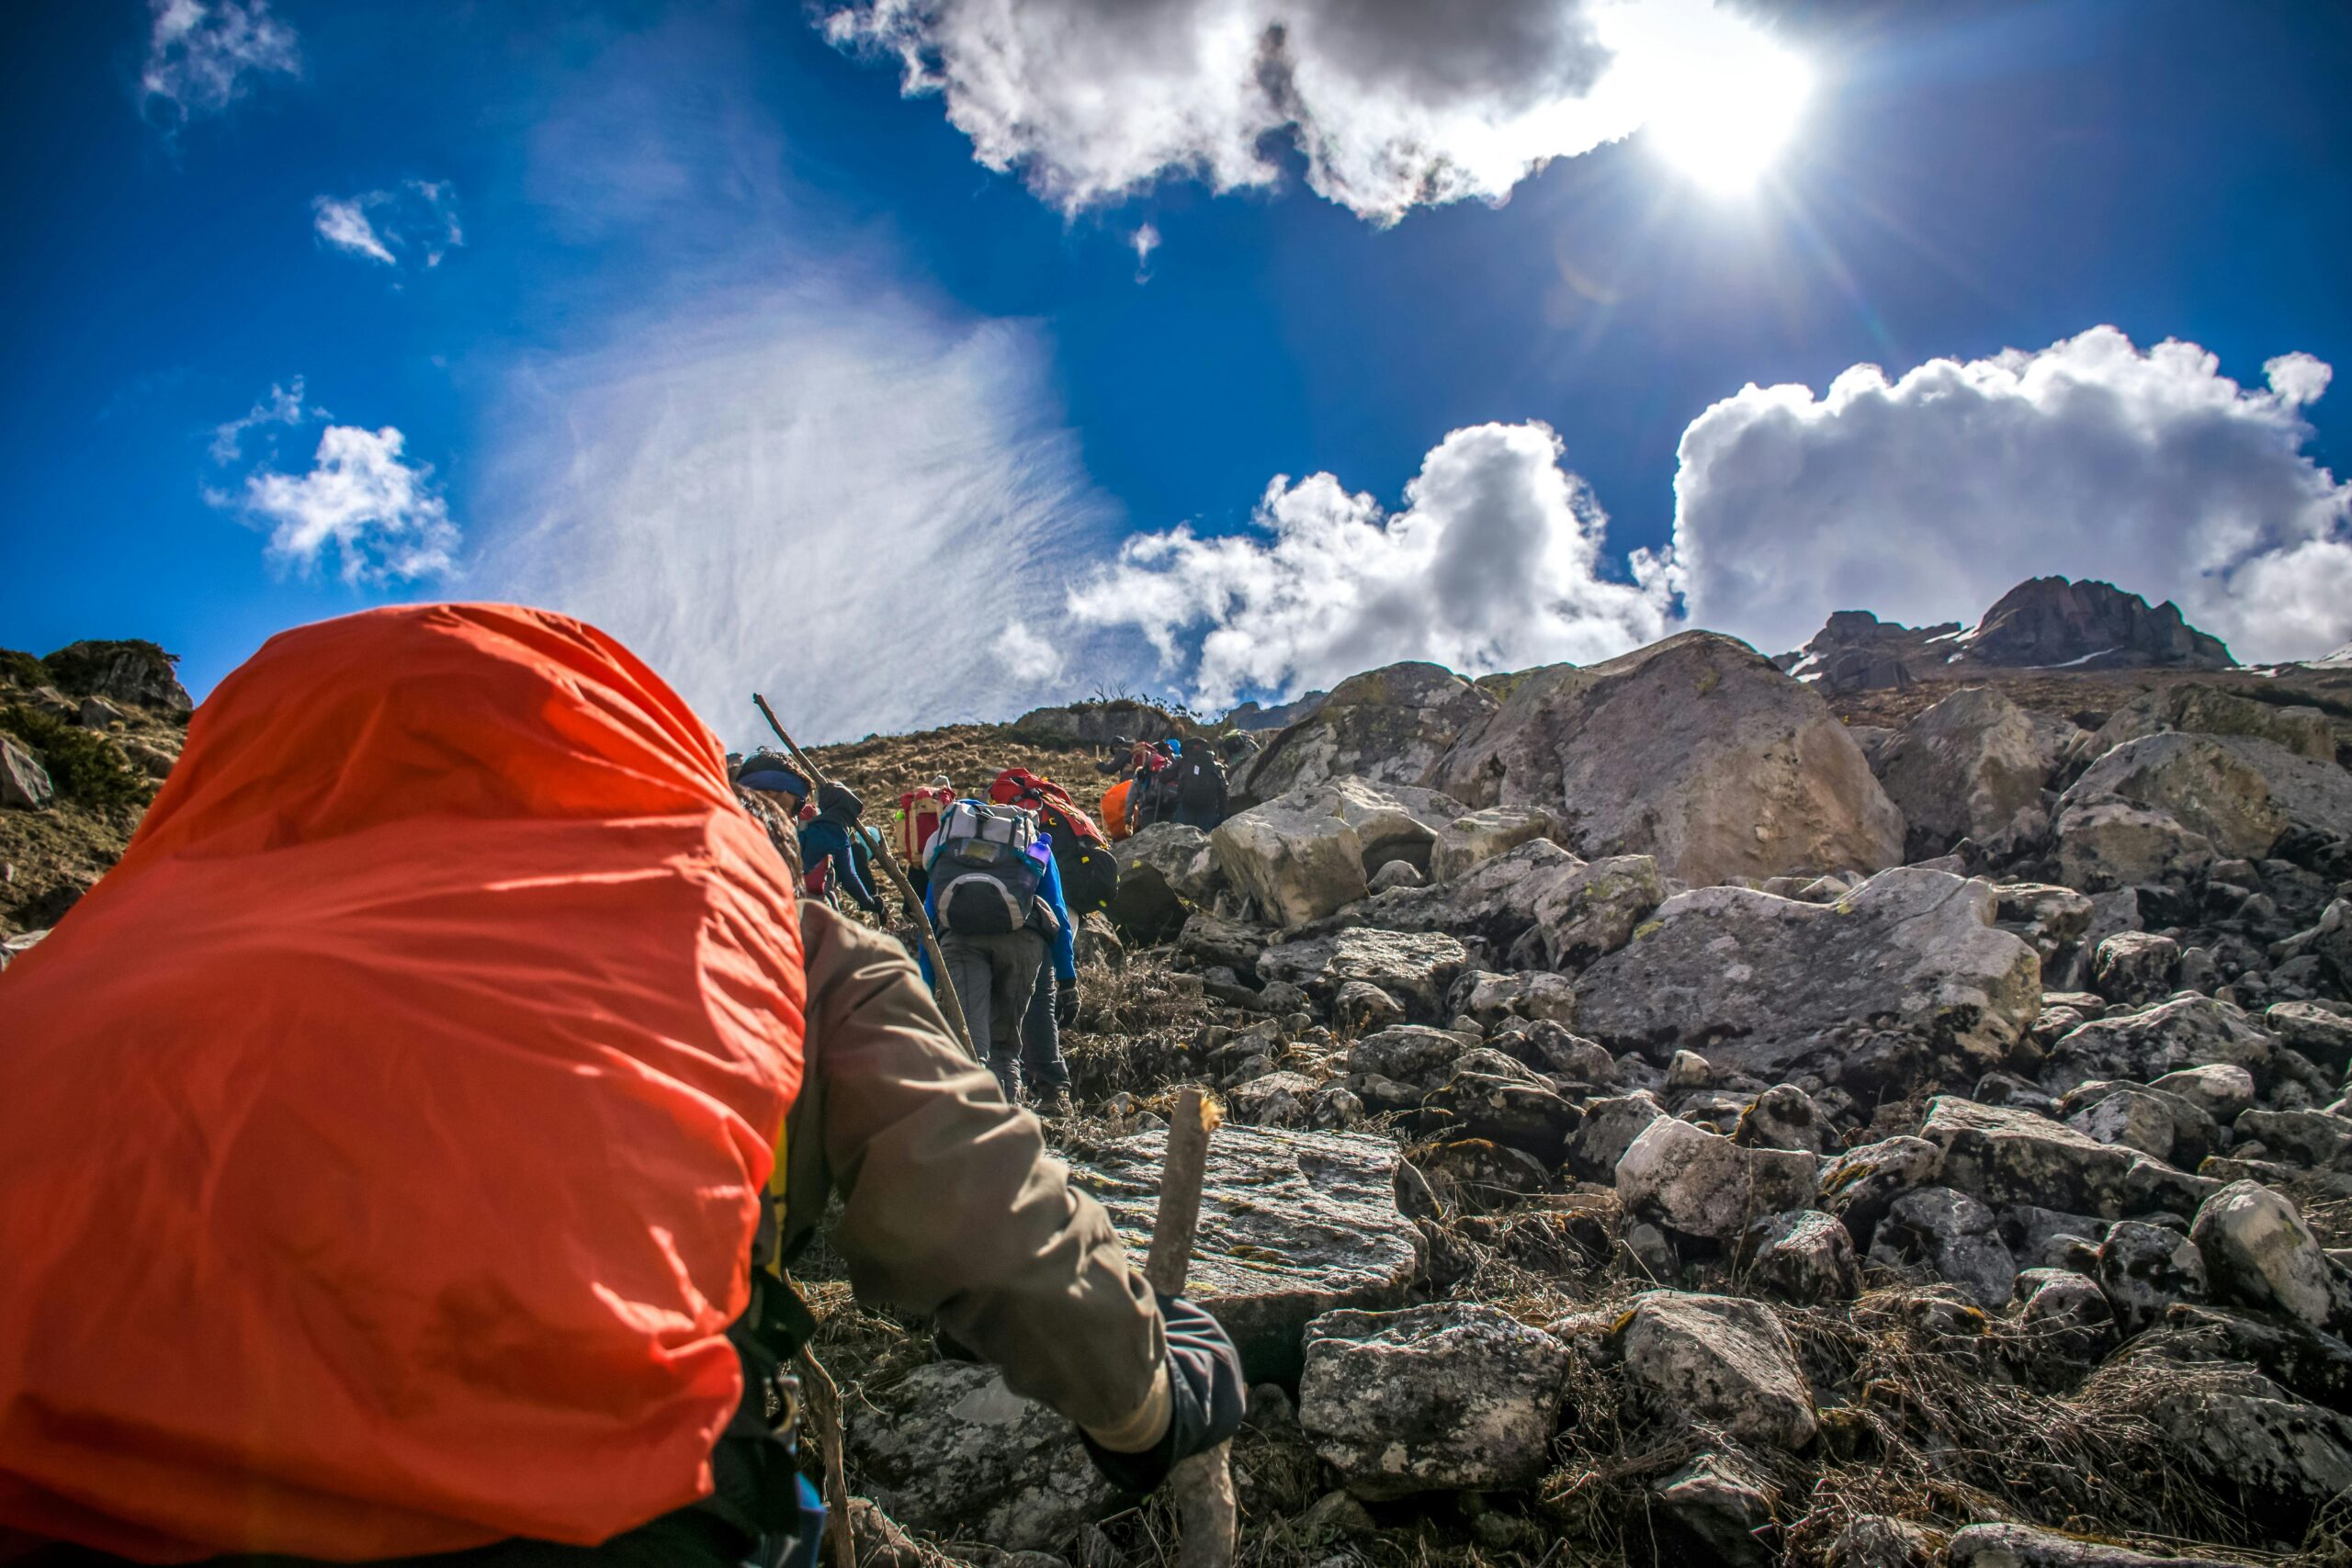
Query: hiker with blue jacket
column 835, row 840
column 996, row 901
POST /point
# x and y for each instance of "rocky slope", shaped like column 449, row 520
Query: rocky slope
column 1674, row 1119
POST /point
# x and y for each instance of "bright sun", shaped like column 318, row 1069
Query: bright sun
column 1726, row 117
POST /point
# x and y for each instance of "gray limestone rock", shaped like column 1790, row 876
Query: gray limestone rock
column 1448, row 1396
column 1953, row 1238
column 1387, row 727
column 2144, row 1268
column 1696, row 751
column 1973, row 767
column 2259, row 1253
column 1410, row 1053
column 2134, row 966
column 1806, row 1256
column 1304, row 854
column 1703, row 1184
column 1760, row 984
column 1416, row 968
column 1724, row 1362
column 1724, row 1508
column 24, row 783
column 2024, row 1546
column 1293, row 1225
column 2187, row 1032
column 2001, row 1155
column 1608, row 1130
column 949, row 1448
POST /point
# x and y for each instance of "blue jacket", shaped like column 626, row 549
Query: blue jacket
column 1050, row 894
column 827, row 837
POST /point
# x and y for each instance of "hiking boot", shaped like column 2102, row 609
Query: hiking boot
column 1054, row 1106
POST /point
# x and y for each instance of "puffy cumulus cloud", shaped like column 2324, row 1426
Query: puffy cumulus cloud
column 416, row 218
column 840, row 498
column 202, row 57
column 1391, row 103
column 1927, row 497
column 1494, row 564
column 363, row 499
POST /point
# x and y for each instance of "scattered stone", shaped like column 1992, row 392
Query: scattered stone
column 1593, row 909
column 1875, row 1541
column 2320, row 1035
column 24, row 783
column 1478, row 1175
column 1952, row 1236
column 1764, row 985
column 2144, row 1268
column 1410, row 1053
column 2023, row 1546
column 1523, row 1115
column 2001, row 1157
column 2258, row 1252
column 1859, row 1185
column 2052, row 919
column 2242, row 1432
column 1304, row 854
column 1212, row 938
column 1533, row 995
column 1724, row 1508
column 2209, row 710
column 1608, row 1130
column 1477, row 837
column 2134, row 966
column 1452, row 1395
column 1724, row 1362
column 1705, row 1185
column 1396, row 873
column 1165, row 871
column 1414, row 966
column 1784, row 1117
column 1806, row 1258
column 2067, row 1311
column 2308, row 1137
column 2220, row 1090
column 2187, row 1032
column 1361, row 1007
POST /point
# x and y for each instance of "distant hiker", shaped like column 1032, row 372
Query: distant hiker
column 1090, row 872
column 1195, row 783
column 467, row 1069
column 1148, row 801
column 833, row 850
column 1239, row 748
column 916, row 820
column 995, row 898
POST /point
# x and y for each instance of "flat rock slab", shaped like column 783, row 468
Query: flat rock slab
column 2001, row 1155
column 1292, row 1225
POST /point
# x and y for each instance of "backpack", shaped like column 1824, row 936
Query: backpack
column 1090, row 872
column 1199, row 782
column 918, row 814
column 986, row 864
column 1115, row 809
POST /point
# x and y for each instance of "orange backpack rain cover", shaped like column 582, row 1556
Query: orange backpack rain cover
column 380, row 1143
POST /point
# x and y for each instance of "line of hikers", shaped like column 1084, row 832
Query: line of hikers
column 1022, row 867
column 401, row 1148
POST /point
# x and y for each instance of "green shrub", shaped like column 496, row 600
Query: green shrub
column 23, row 669
column 80, row 667
column 85, row 768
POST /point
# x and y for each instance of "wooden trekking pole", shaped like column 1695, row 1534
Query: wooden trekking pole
column 944, row 986
column 1201, row 1486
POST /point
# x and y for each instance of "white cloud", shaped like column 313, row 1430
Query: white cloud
column 1927, row 498
column 1391, row 103
column 281, row 405
column 380, row 513
column 1494, row 564
column 419, row 216
column 1142, row 242
column 835, row 497
column 203, row 55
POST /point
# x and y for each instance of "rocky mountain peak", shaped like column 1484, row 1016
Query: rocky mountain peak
column 2051, row 622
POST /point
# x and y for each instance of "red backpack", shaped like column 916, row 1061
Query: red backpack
column 1083, row 855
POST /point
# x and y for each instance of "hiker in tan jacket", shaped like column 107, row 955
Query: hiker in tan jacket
column 952, row 1208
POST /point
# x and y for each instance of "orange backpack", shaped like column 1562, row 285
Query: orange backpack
column 1115, row 809
column 381, row 1142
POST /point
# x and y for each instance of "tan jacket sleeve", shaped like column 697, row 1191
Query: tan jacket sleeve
column 952, row 1206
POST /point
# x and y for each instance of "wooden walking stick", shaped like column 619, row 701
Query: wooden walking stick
column 945, row 988
column 1202, row 1486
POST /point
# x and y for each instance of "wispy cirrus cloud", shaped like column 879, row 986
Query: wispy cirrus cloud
column 203, row 55
column 414, row 218
column 281, row 405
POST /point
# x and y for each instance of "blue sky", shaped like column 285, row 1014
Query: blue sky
column 737, row 350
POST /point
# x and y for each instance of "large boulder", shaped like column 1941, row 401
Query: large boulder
column 1311, row 851
column 1723, row 1362
column 949, row 1448
column 1973, row 766
column 2140, row 1047
column 1952, row 1235
column 2258, row 1252
column 1696, row 751
column 2209, row 710
column 1477, row 837
column 1165, row 871
column 1390, row 725
column 1293, row 1225
column 1760, row 984
column 1704, row 1184
column 2174, row 802
column 1449, row 1396
column 1566, row 911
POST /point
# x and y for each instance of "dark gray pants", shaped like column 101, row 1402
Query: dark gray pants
column 1041, row 1041
column 996, row 979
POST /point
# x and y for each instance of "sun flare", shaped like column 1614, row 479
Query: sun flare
column 1719, row 102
